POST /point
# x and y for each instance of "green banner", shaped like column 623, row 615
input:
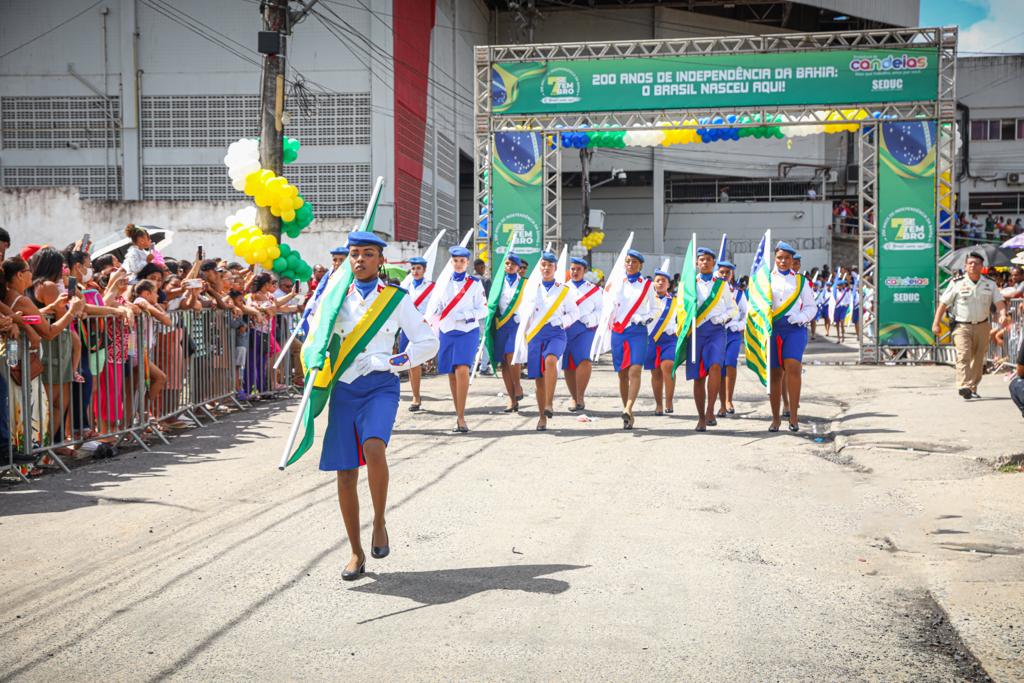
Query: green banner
column 517, row 177
column 834, row 77
column 907, row 243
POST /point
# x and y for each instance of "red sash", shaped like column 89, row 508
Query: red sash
column 593, row 290
column 426, row 292
column 620, row 327
column 458, row 297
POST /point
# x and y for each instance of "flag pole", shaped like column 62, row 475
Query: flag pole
column 721, row 247
column 306, row 394
column 768, row 351
column 287, row 345
column 693, row 325
column 484, row 332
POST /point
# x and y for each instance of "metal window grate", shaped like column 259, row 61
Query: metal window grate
column 58, row 122
column 428, row 147
column 93, row 182
column 446, row 157
column 445, row 212
column 426, row 223
column 219, row 120
column 335, row 190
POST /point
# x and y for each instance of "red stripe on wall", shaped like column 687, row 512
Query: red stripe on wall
column 413, row 22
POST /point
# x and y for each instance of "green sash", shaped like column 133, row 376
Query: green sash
column 709, row 304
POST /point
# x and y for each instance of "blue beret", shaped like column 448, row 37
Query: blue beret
column 548, row 256
column 782, row 246
column 635, row 254
column 339, row 251
column 579, row 261
column 663, row 274
column 704, row 250
column 362, row 238
column 418, row 261
column 726, row 264
column 458, row 250
column 797, row 256
column 514, row 258
column 840, row 281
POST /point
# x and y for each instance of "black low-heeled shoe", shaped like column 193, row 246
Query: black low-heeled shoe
column 542, row 428
column 730, row 411
column 794, row 427
column 773, row 428
column 520, row 397
column 669, row 411
column 658, row 413
column 712, row 422
column 382, row 551
column 548, row 413
column 414, row 408
column 347, row 575
column 700, row 428
column 459, row 430
column 512, row 408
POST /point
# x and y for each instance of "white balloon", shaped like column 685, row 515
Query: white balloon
column 238, row 183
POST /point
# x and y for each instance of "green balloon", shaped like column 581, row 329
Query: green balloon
column 280, row 264
column 285, row 250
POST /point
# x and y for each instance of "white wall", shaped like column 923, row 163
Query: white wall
column 57, row 217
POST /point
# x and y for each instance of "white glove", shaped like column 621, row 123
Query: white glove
column 365, row 364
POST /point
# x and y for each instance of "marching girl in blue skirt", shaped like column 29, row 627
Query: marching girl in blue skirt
column 733, row 339
column 793, row 307
column 840, row 308
column 821, row 296
column 634, row 306
column 554, row 309
column 364, row 401
column 715, row 308
column 459, row 308
column 419, row 289
column 661, row 347
column 580, row 336
column 506, row 324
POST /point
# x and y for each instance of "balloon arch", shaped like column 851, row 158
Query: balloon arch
column 894, row 89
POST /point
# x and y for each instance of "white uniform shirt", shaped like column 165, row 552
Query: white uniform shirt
column 663, row 305
column 739, row 323
column 565, row 315
column 467, row 314
column 418, row 290
column 626, row 297
column 590, row 309
column 805, row 308
column 422, row 342
column 508, row 293
column 724, row 311
column 842, row 298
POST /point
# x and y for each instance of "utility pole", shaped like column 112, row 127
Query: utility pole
column 275, row 20
column 585, row 155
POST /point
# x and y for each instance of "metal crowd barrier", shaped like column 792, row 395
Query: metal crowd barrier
column 1005, row 353
column 108, row 380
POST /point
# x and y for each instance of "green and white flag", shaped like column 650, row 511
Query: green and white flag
column 325, row 356
column 687, row 304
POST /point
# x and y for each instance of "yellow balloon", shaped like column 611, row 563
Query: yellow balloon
column 258, row 255
column 275, row 252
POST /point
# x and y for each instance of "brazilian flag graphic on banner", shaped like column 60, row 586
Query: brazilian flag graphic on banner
column 907, row 242
column 505, row 80
column 517, row 175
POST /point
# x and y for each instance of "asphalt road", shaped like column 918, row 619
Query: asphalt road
column 887, row 549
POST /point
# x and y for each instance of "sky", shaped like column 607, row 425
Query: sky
column 985, row 25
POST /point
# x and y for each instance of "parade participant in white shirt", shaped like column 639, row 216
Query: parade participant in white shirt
column 661, row 347
column 364, row 401
column 841, row 306
column 733, row 339
column 580, row 336
column 506, row 323
column 634, row 307
column 458, row 309
column 793, row 307
column 554, row 309
column 419, row 289
column 715, row 308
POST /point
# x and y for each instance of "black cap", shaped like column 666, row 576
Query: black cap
column 977, row 255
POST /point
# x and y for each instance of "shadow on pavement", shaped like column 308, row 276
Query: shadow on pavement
column 443, row 586
column 89, row 478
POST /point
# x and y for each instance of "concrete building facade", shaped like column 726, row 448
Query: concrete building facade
column 133, row 103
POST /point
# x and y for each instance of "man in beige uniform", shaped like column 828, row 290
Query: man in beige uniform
column 969, row 299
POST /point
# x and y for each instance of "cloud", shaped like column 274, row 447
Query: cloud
column 1002, row 30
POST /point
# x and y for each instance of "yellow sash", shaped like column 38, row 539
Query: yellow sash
column 664, row 323
column 790, row 300
column 512, row 307
column 716, row 292
column 327, row 374
column 547, row 316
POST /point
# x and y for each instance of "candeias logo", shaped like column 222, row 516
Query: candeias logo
column 889, row 63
